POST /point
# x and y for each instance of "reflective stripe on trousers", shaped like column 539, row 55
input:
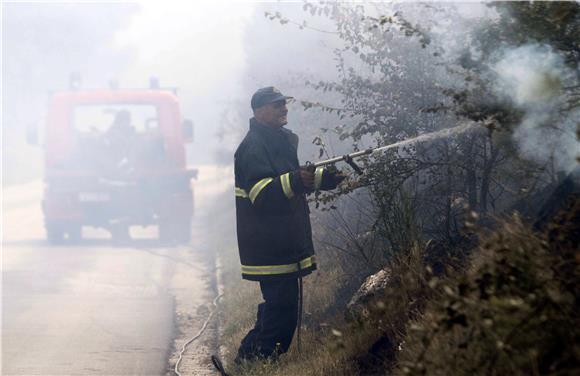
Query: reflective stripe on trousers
column 278, row 269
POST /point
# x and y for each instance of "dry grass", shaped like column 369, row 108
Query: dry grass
column 330, row 344
column 513, row 310
column 239, row 306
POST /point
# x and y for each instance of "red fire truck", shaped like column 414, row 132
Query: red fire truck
column 116, row 158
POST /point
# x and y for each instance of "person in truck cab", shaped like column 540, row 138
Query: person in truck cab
column 121, row 127
column 120, row 139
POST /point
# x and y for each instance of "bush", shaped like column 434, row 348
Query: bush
column 511, row 308
column 515, row 311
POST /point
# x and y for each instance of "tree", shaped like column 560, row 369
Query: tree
column 397, row 80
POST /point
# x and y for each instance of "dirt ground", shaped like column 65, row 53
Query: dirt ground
column 194, row 305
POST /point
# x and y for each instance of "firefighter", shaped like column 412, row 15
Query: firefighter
column 120, row 142
column 273, row 224
column 121, row 126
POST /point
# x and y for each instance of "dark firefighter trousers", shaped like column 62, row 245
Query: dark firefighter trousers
column 276, row 322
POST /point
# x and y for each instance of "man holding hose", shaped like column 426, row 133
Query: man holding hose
column 273, row 224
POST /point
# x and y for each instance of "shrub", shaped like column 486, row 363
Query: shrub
column 515, row 311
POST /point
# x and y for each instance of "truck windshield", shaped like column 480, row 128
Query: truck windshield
column 118, row 139
column 101, row 118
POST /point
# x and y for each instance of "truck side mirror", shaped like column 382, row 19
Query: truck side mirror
column 187, row 126
column 32, row 134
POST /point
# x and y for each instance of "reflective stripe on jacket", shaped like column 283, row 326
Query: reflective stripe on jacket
column 273, row 224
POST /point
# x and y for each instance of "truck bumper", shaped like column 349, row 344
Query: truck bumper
column 141, row 202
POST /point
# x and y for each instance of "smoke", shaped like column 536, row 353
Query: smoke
column 42, row 44
column 197, row 47
column 532, row 77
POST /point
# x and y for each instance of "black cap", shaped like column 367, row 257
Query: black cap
column 267, row 95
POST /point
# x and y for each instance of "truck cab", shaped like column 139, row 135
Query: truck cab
column 115, row 158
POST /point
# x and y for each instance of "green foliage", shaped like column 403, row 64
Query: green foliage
column 397, row 82
column 386, row 99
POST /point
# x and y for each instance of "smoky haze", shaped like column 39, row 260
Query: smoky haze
column 42, row 45
column 194, row 48
column 357, row 83
column 121, row 298
column 532, row 77
column 215, row 55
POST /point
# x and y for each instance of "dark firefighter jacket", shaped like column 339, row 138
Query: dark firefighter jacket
column 273, row 224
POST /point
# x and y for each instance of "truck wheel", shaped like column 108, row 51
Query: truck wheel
column 165, row 232
column 120, row 233
column 54, row 233
column 74, row 233
column 183, row 232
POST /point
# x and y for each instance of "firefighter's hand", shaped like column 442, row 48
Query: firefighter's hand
column 338, row 177
column 332, row 177
column 307, row 178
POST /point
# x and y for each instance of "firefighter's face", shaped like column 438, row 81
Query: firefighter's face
column 273, row 114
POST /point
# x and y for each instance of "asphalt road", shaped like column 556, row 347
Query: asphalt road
column 96, row 308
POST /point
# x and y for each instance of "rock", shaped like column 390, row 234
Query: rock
column 357, row 308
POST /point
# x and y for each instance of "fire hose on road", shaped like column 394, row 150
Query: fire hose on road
column 203, row 328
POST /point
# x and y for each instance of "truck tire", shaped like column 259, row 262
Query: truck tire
column 120, row 233
column 165, row 232
column 74, row 232
column 54, row 233
column 183, row 232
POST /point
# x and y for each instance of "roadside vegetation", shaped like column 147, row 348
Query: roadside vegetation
column 511, row 308
column 475, row 236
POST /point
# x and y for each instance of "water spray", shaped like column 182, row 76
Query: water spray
column 349, row 158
